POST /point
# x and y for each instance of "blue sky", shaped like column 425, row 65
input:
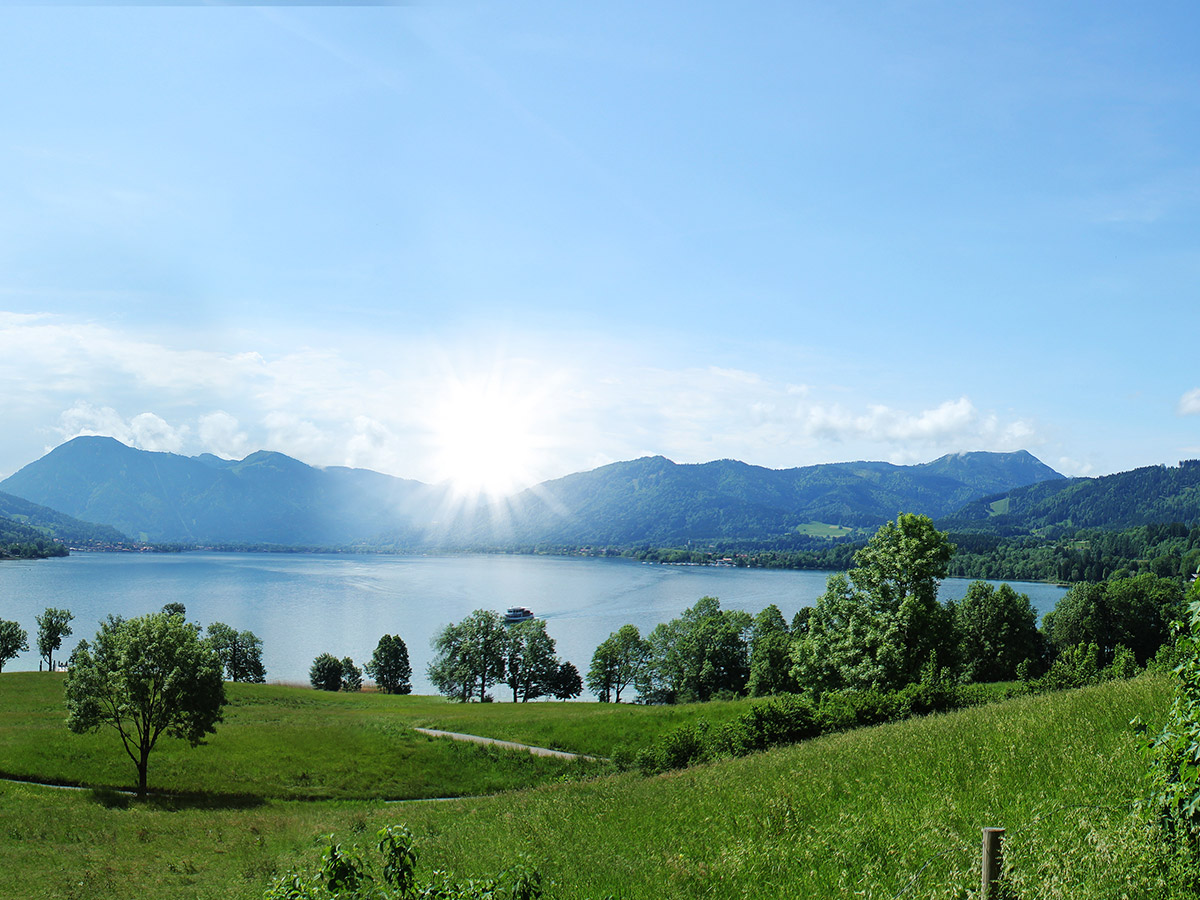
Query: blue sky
column 514, row 241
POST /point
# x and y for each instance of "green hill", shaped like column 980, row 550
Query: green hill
column 877, row 813
column 41, row 521
column 266, row 498
column 656, row 501
column 270, row 498
column 1145, row 496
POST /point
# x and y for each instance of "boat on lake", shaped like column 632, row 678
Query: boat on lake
column 516, row 614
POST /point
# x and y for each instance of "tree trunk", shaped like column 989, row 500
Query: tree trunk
column 142, row 766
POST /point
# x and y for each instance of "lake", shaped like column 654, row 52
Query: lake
column 302, row 605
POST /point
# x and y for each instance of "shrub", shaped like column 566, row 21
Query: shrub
column 326, row 673
column 345, row 875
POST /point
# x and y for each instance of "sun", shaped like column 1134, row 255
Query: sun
column 485, row 436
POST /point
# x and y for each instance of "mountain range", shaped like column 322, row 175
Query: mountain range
column 269, row 498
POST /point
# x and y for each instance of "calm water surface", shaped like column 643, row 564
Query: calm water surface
column 302, row 605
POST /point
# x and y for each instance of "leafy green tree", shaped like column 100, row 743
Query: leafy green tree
column 770, row 655
column 602, row 672
column 899, row 570
column 617, row 663
column 53, row 626
column 997, row 629
column 240, row 652
column 13, row 640
column 1136, row 612
column 530, row 664
column 325, row 674
column 878, row 626
column 145, row 677
column 469, row 655
column 698, row 656
column 848, row 645
column 351, row 676
column 174, row 608
column 568, row 684
column 389, row 665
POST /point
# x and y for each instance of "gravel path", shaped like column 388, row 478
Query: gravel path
column 507, row 745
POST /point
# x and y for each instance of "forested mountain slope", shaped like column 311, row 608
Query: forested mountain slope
column 50, row 523
column 270, row 498
column 266, row 498
column 1145, row 496
column 656, row 501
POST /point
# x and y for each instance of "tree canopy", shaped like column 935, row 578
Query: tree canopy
column 698, row 656
column 389, row 665
column 13, row 640
column 53, row 626
column 325, row 674
column 878, row 625
column 617, row 663
column 470, row 656
column 240, row 653
column 146, row 677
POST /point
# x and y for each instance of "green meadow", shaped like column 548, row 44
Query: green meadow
column 882, row 812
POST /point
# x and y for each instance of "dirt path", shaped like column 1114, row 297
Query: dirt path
column 506, row 745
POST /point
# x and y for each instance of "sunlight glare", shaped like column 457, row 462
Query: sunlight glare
column 485, row 437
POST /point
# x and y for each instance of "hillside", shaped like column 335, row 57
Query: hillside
column 656, row 501
column 49, row 523
column 880, row 812
column 266, row 498
column 1145, row 496
column 270, row 498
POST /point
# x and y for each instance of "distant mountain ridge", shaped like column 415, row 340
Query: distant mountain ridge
column 656, row 501
column 266, row 498
column 271, row 498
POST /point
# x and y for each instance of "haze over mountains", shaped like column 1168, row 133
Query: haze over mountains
column 269, row 498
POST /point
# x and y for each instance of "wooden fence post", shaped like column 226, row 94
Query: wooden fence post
column 993, row 860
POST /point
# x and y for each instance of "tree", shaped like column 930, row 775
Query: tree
column 697, row 656
column 13, row 640
column 878, row 626
column 389, row 665
column 240, row 652
column 146, row 677
column 52, row 628
column 1135, row 612
column 567, row 682
column 351, row 676
column 469, row 655
column 899, row 570
column 770, row 655
column 997, row 629
column 325, row 674
column 847, row 645
column 530, row 664
column 617, row 663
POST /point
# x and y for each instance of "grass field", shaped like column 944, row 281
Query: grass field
column 856, row 814
column 823, row 529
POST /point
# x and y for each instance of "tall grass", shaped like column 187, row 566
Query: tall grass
column 893, row 810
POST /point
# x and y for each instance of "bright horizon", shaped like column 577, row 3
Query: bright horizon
column 500, row 245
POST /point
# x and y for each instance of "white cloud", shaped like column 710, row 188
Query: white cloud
column 150, row 432
column 378, row 406
column 145, row 431
column 1073, row 468
column 1189, row 403
column 221, row 434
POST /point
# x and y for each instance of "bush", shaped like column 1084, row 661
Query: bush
column 345, row 875
column 1174, row 755
column 326, row 673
